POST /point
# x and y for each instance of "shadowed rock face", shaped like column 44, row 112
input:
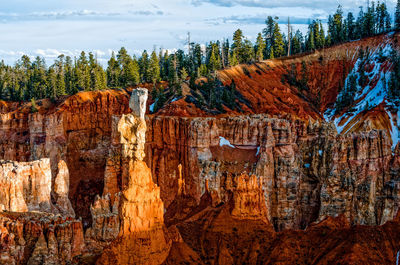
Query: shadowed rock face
column 307, row 170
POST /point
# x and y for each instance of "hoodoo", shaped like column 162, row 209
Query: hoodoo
column 141, row 238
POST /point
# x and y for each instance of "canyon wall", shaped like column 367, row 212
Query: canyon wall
column 308, row 171
column 298, row 172
column 304, row 165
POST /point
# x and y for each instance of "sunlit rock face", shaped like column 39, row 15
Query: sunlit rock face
column 61, row 190
column 141, row 238
column 137, row 102
column 25, row 186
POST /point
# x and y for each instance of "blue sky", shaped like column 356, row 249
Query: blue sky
column 50, row 27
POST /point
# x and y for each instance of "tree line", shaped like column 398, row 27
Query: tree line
column 28, row 79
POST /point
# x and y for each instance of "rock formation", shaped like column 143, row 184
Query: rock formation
column 25, row 186
column 231, row 232
column 61, row 190
column 247, row 197
column 37, row 238
column 141, row 238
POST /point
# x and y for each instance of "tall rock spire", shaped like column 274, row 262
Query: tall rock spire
column 141, row 210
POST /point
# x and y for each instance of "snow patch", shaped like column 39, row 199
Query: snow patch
column 307, row 165
column 258, row 151
column 151, row 108
column 223, row 142
column 320, row 152
column 367, row 97
column 175, row 99
column 395, row 128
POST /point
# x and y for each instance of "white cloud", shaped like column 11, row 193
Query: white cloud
column 327, row 5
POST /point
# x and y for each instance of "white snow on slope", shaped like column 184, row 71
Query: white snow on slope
column 151, row 108
column 223, row 142
column 367, row 96
column 397, row 257
column 258, row 150
column 395, row 128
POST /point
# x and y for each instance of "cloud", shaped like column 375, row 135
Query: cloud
column 11, row 53
column 260, row 19
column 75, row 14
column 326, row 5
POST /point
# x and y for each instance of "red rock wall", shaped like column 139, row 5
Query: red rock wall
column 283, row 152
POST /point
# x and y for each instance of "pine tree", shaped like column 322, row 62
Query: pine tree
column 131, row 72
column 271, row 53
column 233, row 59
column 197, row 54
column 260, row 47
column 97, row 75
column 172, row 71
column 113, row 72
column 154, row 68
column 310, row 45
column 247, row 55
column 225, row 53
column 397, row 16
column 381, row 13
column 268, row 32
column 83, row 74
column 321, row 39
column 388, row 22
column 331, row 29
column 51, row 84
column 38, row 78
column 144, row 64
column 237, row 40
column 297, row 42
column 165, row 66
column 278, row 44
column 213, row 62
column 336, row 26
column 59, row 72
column 202, row 71
column 350, row 26
column 184, row 74
column 369, row 22
column 70, row 85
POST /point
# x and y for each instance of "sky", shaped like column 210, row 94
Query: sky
column 48, row 28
